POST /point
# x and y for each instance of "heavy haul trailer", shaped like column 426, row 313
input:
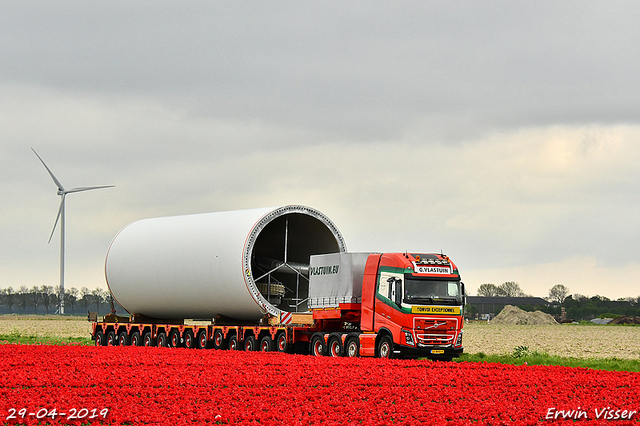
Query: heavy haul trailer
column 353, row 304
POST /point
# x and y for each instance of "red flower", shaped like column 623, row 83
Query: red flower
column 144, row 385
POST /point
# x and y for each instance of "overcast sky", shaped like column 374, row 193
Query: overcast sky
column 506, row 134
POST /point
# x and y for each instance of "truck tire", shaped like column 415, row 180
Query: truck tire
column 250, row 344
column 281, row 342
column 99, row 338
column 334, row 348
column 123, row 338
column 317, row 346
column 163, row 340
column 384, row 348
column 174, row 338
column 218, row 340
column 147, row 340
column 201, row 341
column 266, row 344
column 352, row 347
column 189, row 339
column 233, row 343
column 136, row 340
column 111, row 339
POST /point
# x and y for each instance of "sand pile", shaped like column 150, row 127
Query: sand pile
column 514, row 315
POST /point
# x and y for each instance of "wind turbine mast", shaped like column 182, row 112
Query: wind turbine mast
column 61, row 217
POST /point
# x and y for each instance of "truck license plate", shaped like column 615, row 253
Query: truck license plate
column 437, row 351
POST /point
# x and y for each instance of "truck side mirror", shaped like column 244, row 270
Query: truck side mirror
column 397, row 286
column 464, row 294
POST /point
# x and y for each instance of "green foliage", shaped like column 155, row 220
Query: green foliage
column 521, row 352
column 558, row 293
column 585, row 308
column 30, row 339
column 536, row 358
column 488, row 290
column 510, row 289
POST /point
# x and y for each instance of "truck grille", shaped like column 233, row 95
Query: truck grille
column 433, row 331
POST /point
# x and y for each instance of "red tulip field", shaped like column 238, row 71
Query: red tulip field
column 51, row 384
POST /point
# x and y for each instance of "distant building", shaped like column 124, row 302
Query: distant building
column 489, row 306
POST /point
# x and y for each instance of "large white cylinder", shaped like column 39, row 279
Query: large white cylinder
column 203, row 265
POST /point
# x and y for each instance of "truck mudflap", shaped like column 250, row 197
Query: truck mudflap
column 436, row 353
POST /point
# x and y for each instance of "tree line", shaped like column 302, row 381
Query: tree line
column 46, row 300
column 576, row 306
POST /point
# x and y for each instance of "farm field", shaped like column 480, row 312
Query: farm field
column 45, row 325
column 569, row 340
column 71, row 384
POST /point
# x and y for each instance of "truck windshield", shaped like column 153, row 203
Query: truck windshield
column 427, row 291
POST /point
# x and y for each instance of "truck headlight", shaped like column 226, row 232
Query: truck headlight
column 408, row 337
column 459, row 340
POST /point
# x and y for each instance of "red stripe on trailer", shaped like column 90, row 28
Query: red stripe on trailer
column 286, row 317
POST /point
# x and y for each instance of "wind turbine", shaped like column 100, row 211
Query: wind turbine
column 63, row 193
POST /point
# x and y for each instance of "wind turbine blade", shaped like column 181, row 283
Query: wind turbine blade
column 57, row 182
column 87, row 188
column 57, row 218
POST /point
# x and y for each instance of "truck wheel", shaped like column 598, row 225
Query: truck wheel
column 335, row 346
column 250, row 344
column 111, row 339
column 202, row 341
column 99, row 338
column 189, row 339
column 147, row 340
column 233, row 343
column 317, row 345
column 175, row 339
column 135, row 339
column 163, row 341
column 353, row 347
column 266, row 344
column 385, row 347
column 281, row 342
column 218, row 340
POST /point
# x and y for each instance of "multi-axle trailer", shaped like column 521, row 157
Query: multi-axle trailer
column 296, row 289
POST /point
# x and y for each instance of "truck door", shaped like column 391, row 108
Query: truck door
column 388, row 300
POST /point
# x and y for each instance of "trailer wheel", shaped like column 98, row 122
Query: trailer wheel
column 189, row 339
column 353, row 347
column 111, row 339
column 233, row 343
column 250, row 344
column 163, row 341
column 100, row 341
column 281, row 342
column 202, row 342
column 317, row 345
column 123, row 338
column 385, row 347
column 335, row 346
column 135, row 339
column 147, row 340
column 175, row 339
column 218, row 339
column 266, row 344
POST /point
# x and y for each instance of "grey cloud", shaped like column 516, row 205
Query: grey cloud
column 369, row 70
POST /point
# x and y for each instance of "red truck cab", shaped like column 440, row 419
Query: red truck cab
column 412, row 304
